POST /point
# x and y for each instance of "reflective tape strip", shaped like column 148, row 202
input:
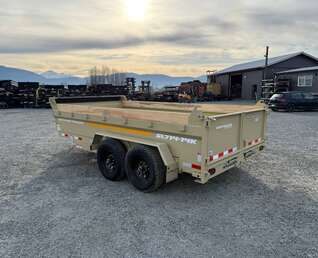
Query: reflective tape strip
column 254, row 142
column 214, row 157
column 119, row 129
column 196, row 166
column 223, row 154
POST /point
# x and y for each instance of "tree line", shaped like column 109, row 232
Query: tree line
column 106, row 75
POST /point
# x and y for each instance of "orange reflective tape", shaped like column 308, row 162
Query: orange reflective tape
column 119, row 129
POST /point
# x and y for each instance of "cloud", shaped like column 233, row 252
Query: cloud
column 285, row 13
column 197, row 58
column 188, row 33
column 27, row 44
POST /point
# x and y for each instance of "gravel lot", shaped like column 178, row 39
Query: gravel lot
column 54, row 202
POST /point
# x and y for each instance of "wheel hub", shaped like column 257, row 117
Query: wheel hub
column 143, row 170
column 110, row 162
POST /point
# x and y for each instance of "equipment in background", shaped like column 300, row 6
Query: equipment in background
column 27, row 93
column 167, row 94
column 44, row 93
column 144, row 88
column 9, row 96
column 273, row 86
column 214, row 89
column 131, row 84
column 76, row 90
column 3, row 98
column 192, row 91
column 107, row 89
column 170, row 94
column 144, row 92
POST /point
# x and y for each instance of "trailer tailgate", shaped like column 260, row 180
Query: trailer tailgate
column 232, row 133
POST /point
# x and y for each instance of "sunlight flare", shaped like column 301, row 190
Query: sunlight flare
column 136, row 9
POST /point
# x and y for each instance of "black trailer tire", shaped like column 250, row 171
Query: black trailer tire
column 145, row 168
column 110, row 159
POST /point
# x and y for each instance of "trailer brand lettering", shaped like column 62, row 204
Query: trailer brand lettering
column 228, row 126
column 176, row 138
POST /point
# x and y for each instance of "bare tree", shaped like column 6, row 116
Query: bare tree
column 105, row 75
column 93, row 76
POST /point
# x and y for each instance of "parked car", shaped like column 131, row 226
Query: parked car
column 291, row 101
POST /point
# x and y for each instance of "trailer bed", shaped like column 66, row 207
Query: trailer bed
column 151, row 111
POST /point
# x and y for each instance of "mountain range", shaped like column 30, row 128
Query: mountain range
column 54, row 78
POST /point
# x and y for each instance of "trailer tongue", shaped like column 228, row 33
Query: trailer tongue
column 152, row 143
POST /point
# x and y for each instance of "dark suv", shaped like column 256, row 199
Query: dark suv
column 291, row 101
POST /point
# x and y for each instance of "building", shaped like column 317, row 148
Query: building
column 303, row 79
column 244, row 80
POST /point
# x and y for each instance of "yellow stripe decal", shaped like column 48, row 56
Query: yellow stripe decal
column 119, row 129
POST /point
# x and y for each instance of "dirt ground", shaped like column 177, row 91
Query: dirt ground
column 55, row 203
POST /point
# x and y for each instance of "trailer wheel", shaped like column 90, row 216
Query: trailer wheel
column 144, row 168
column 110, row 159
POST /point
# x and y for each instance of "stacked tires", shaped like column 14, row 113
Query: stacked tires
column 141, row 164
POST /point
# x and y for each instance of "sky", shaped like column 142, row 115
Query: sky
column 172, row 37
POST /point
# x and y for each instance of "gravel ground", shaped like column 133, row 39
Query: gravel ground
column 54, row 202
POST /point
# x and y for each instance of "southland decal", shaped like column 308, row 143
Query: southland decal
column 176, row 138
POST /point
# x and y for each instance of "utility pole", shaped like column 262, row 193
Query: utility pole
column 266, row 63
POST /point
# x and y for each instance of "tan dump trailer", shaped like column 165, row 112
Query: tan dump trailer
column 152, row 143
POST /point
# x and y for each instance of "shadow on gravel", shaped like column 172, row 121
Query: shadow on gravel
column 71, row 210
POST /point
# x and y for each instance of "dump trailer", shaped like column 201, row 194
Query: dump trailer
column 152, row 143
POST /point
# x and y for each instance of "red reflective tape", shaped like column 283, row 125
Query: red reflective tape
column 196, row 166
column 231, row 151
column 221, row 155
column 211, row 158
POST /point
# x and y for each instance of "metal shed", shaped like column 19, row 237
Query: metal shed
column 244, row 80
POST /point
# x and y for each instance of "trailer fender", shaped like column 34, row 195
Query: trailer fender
column 165, row 153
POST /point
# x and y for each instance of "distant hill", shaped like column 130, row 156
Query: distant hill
column 8, row 73
column 20, row 75
column 53, row 78
column 55, row 75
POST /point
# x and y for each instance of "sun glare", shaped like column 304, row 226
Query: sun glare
column 136, row 9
